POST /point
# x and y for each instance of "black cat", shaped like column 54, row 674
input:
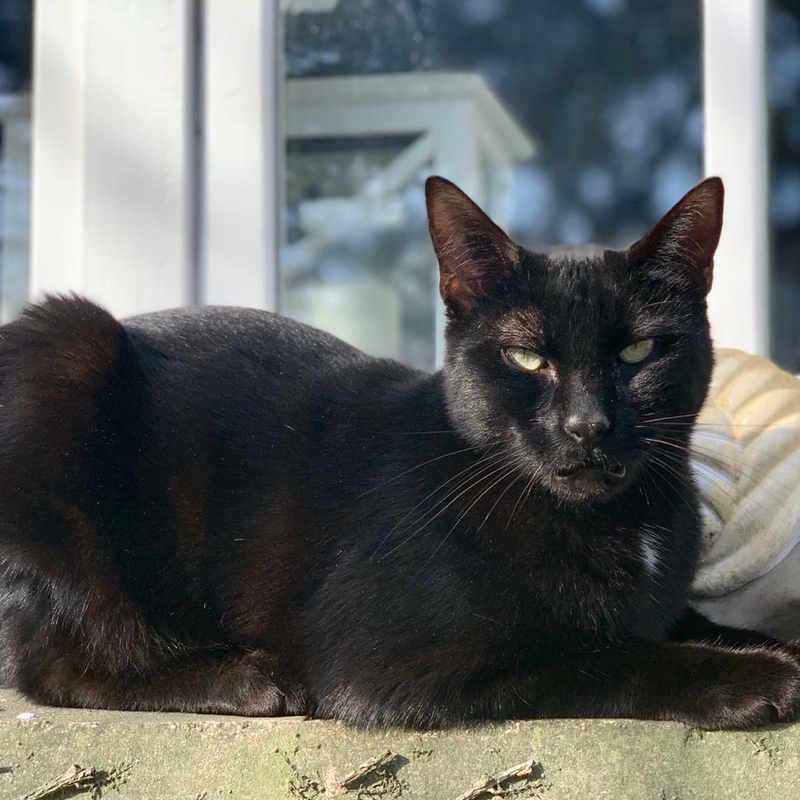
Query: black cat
column 221, row 510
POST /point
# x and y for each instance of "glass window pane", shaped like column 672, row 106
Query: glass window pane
column 16, row 38
column 783, row 92
column 568, row 122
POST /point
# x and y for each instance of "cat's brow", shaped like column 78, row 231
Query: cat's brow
column 523, row 325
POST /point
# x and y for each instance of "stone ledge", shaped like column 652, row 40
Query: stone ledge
column 193, row 757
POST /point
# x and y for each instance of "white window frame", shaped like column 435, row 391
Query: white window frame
column 242, row 189
column 735, row 122
column 139, row 239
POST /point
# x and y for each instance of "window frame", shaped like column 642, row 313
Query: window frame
column 212, row 111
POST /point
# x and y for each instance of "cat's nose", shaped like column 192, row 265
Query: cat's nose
column 587, row 431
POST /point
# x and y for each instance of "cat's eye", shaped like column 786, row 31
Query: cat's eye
column 521, row 357
column 638, row 351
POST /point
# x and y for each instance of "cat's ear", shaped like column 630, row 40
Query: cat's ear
column 473, row 252
column 688, row 234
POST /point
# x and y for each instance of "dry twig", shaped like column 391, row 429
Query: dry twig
column 494, row 786
column 73, row 778
column 357, row 777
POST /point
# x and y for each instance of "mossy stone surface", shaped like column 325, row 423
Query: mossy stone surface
column 183, row 756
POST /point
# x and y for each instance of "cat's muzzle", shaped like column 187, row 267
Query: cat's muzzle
column 591, row 481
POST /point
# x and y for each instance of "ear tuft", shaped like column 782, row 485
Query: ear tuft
column 473, row 252
column 688, row 234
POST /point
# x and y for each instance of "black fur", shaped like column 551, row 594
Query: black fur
column 221, row 510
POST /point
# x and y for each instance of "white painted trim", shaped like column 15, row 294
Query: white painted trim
column 112, row 213
column 413, row 102
column 308, row 6
column 241, row 143
column 57, row 168
column 736, row 150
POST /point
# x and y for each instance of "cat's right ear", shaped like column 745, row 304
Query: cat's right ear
column 687, row 236
column 473, row 252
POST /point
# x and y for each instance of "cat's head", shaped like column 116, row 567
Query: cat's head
column 578, row 366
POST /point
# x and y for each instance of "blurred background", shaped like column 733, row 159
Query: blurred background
column 272, row 154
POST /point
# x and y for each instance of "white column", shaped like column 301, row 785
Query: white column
column 735, row 149
column 113, row 193
column 241, row 153
column 57, row 148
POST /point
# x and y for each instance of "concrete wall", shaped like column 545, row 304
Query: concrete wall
column 180, row 756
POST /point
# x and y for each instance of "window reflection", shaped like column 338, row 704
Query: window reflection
column 605, row 92
column 16, row 40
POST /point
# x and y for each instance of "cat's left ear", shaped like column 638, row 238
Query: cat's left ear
column 473, row 252
column 688, row 234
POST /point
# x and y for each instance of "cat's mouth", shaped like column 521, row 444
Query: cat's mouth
column 591, row 481
column 593, row 472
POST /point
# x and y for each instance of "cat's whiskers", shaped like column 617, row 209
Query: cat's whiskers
column 758, row 473
column 725, row 490
column 731, row 492
column 721, row 488
column 486, row 460
column 513, row 459
column 487, row 472
column 679, row 422
column 525, row 492
column 453, row 498
column 499, row 498
column 508, row 472
column 751, row 471
column 666, row 475
column 416, row 467
column 646, row 420
column 723, row 425
column 680, row 447
column 667, row 465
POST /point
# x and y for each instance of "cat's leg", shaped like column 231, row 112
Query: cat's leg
column 698, row 684
column 224, row 682
column 695, row 627
column 100, row 652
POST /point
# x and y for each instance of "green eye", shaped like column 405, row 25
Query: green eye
column 638, row 351
column 525, row 359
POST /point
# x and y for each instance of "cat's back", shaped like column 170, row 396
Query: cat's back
column 240, row 390
column 270, row 377
column 70, row 363
column 222, row 338
column 172, row 432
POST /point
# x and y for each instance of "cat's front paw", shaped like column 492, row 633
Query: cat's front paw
column 752, row 688
column 263, row 687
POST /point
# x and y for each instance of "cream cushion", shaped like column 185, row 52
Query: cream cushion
column 746, row 458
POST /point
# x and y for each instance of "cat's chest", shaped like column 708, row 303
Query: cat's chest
column 591, row 579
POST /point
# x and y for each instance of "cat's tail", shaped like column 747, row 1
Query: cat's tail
column 69, row 386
